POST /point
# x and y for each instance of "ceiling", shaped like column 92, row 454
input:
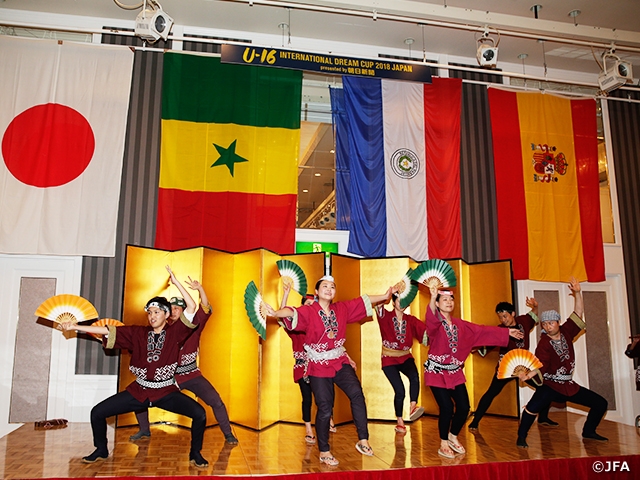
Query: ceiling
column 599, row 22
column 445, row 30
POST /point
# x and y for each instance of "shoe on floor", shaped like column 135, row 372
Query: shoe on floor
column 95, row 456
column 364, row 449
column 594, row 436
column 197, row 460
column 310, row 439
column 332, row 429
column 139, row 434
column 230, row 439
column 416, row 413
column 446, row 453
column 401, row 429
column 522, row 443
column 456, row 447
column 473, row 427
column 329, row 460
column 547, row 422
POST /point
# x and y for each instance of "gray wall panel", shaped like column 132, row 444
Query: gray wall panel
column 625, row 138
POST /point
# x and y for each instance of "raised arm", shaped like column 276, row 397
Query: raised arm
column 196, row 285
column 381, row 299
column 432, row 303
column 285, row 296
column 578, row 301
column 532, row 303
column 191, row 304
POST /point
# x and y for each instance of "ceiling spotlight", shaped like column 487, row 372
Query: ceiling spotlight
column 574, row 14
column 152, row 23
column 487, row 53
column 619, row 73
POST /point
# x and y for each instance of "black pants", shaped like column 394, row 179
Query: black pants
column 454, row 409
column 124, row 402
column 347, row 380
column 307, row 399
column 543, row 397
column 492, row 392
column 392, row 372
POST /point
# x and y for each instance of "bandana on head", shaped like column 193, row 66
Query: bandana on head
column 328, row 278
column 550, row 316
column 179, row 302
column 445, row 292
column 157, row 305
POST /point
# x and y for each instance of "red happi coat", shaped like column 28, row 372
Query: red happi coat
column 153, row 359
column 451, row 346
column 399, row 334
column 187, row 363
column 324, row 332
column 559, row 358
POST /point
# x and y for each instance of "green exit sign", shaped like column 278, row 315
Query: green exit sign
column 310, row 247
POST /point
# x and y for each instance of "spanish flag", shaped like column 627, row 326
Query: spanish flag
column 229, row 155
column 547, row 185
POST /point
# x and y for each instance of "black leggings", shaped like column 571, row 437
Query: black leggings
column 544, row 395
column 392, row 372
column 454, row 409
column 492, row 392
column 307, row 399
column 323, row 391
column 124, row 402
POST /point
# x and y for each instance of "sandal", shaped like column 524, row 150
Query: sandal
column 456, row 447
column 329, row 460
column 333, row 429
column 401, row 429
column 310, row 439
column 446, row 453
column 364, row 449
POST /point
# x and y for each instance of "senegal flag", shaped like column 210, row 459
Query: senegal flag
column 547, row 185
column 229, row 155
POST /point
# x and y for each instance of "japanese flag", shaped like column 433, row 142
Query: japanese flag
column 63, row 113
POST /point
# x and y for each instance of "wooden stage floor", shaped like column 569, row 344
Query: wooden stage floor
column 280, row 449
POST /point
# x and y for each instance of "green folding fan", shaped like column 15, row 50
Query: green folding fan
column 256, row 309
column 406, row 289
column 292, row 274
column 435, row 273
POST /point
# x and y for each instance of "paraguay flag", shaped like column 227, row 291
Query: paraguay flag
column 398, row 167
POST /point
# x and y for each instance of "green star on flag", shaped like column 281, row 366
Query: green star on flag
column 228, row 156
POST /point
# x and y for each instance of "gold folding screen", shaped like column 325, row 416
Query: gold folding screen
column 255, row 377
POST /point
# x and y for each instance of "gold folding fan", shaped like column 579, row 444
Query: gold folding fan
column 256, row 309
column 435, row 273
column 517, row 361
column 104, row 322
column 67, row 308
column 292, row 274
column 406, row 289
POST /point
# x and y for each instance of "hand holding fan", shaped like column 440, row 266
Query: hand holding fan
column 66, row 308
column 517, row 361
column 292, row 274
column 256, row 309
column 104, row 322
column 406, row 289
column 435, row 273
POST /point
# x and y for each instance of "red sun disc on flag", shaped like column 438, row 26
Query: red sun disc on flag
column 48, row 145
